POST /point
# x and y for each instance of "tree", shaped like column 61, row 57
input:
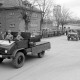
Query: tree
column 44, row 6
column 65, row 17
column 62, row 15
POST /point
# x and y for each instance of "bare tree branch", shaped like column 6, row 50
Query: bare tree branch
column 44, row 6
column 62, row 16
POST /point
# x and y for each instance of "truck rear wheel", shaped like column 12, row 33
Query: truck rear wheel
column 1, row 59
column 19, row 60
column 41, row 54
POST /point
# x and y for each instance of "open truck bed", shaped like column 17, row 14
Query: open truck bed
column 39, row 47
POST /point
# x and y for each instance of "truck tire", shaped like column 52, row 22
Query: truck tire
column 1, row 59
column 41, row 54
column 19, row 60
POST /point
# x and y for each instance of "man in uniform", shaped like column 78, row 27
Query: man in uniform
column 9, row 36
column 19, row 37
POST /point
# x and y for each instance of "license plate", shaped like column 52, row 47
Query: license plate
column 0, row 55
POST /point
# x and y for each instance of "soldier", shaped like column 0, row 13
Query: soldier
column 19, row 37
column 68, row 30
column 1, row 36
column 9, row 36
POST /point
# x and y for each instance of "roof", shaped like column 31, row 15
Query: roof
column 14, row 4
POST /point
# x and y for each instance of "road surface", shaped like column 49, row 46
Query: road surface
column 61, row 62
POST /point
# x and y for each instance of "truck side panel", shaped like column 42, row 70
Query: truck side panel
column 40, row 47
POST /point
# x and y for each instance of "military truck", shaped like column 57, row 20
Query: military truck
column 73, row 34
column 17, row 50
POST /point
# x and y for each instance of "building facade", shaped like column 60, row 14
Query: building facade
column 19, row 16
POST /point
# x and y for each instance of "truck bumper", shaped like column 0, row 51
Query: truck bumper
column 6, row 56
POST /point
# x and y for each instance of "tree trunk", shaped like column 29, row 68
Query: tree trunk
column 62, row 28
column 57, row 25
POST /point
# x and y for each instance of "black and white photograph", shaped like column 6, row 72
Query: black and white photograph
column 39, row 40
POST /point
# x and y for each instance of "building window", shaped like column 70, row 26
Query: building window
column 12, row 25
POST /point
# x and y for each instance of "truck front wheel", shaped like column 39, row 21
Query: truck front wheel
column 41, row 54
column 19, row 60
column 1, row 59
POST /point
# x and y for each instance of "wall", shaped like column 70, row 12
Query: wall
column 34, row 25
column 11, row 20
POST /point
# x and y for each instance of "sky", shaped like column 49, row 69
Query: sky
column 72, row 5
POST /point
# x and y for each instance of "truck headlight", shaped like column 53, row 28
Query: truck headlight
column 6, row 51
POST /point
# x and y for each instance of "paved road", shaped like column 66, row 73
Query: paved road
column 62, row 62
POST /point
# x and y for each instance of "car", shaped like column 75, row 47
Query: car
column 72, row 35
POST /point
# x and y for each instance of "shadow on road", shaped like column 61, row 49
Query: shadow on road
column 8, row 63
